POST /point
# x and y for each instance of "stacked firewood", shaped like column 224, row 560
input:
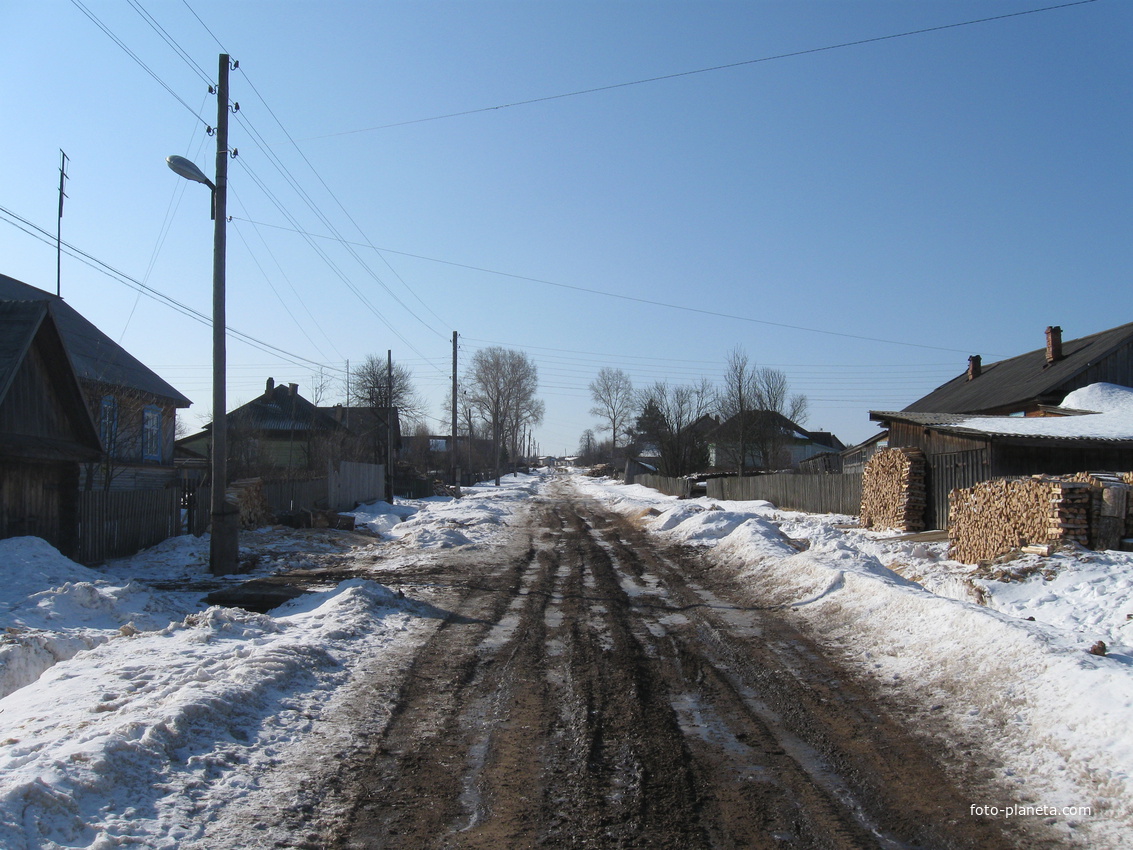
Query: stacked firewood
column 1111, row 508
column 247, row 494
column 893, row 490
column 999, row 516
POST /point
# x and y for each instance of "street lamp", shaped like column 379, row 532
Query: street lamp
column 224, row 547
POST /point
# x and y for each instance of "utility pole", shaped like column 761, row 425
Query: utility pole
column 224, row 546
column 455, row 468
column 389, row 426
column 59, row 224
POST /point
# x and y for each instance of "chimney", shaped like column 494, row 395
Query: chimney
column 975, row 366
column 293, row 389
column 1053, row 344
column 270, row 388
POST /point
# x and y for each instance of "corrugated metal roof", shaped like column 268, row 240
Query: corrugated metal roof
column 96, row 356
column 1023, row 379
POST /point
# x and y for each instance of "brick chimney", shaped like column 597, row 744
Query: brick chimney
column 293, row 389
column 975, row 367
column 1053, row 344
column 270, row 388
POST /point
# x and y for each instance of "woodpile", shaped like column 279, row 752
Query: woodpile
column 1002, row 515
column 893, row 490
column 247, row 494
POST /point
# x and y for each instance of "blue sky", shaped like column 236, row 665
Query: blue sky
column 862, row 218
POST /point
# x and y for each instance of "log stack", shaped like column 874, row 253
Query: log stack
column 893, row 490
column 999, row 516
column 248, row 495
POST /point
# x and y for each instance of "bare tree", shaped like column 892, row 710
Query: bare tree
column 612, row 393
column 504, row 383
column 676, row 419
column 370, row 387
column 757, row 411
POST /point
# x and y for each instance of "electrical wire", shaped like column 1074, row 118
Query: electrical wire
column 714, row 68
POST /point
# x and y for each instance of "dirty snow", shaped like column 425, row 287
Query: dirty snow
column 1056, row 720
column 133, row 714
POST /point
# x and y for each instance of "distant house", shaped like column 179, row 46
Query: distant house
column 277, row 432
column 46, row 430
column 134, row 409
column 975, row 427
column 773, row 442
column 368, row 432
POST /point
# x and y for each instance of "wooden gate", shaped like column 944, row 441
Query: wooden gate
column 947, row 472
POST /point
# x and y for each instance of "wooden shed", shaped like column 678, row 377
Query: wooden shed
column 46, row 429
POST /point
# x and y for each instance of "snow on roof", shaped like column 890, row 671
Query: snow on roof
column 1111, row 417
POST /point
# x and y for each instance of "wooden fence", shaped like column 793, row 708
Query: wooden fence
column 680, row 487
column 355, row 483
column 819, row 494
column 117, row 523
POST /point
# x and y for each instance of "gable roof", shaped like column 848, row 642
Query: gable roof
column 1027, row 378
column 95, row 355
column 281, row 408
column 25, row 325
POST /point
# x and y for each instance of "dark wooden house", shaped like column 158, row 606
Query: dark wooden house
column 134, row 409
column 277, row 433
column 46, row 430
column 960, row 453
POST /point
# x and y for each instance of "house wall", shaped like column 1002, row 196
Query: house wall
column 29, row 409
column 40, row 499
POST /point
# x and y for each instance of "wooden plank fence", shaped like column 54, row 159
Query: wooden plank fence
column 679, row 487
column 818, row 494
column 117, row 523
column 355, row 483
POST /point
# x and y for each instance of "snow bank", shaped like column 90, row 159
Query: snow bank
column 180, row 722
column 1058, row 719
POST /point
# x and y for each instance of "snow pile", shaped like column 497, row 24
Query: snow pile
column 150, row 734
column 1058, row 720
column 136, row 716
column 1112, row 419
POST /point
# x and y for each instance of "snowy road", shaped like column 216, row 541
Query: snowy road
column 592, row 690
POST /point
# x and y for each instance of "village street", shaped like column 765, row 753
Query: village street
column 591, row 689
column 564, row 661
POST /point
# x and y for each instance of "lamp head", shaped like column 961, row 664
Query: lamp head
column 188, row 169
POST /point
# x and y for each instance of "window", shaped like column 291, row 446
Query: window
column 108, row 424
column 151, row 433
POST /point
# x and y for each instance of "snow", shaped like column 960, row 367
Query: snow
column 1056, row 720
column 131, row 713
column 1111, row 417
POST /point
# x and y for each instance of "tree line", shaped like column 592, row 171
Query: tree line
column 747, row 416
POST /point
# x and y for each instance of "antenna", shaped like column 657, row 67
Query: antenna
column 59, row 225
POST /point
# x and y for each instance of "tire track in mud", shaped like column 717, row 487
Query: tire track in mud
column 599, row 696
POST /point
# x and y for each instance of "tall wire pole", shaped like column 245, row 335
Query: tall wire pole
column 455, row 469
column 224, row 547
column 59, row 224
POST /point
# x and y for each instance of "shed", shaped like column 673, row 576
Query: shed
column 46, row 429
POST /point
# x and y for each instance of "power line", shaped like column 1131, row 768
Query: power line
column 651, row 302
column 725, row 67
column 94, row 19
column 39, row 233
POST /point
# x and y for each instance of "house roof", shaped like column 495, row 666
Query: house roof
column 95, row 355
column 1027, row 378
column 22, row 323
column 1098, row 413
column 281, row 408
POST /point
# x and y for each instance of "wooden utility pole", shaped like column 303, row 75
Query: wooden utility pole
column 224, row 548
column 455, row 468
column 389, row 426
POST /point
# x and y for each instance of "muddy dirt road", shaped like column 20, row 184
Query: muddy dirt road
column 590, row 690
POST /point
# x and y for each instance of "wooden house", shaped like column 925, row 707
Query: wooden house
column 960, row 450
column 278, row 432
column 768, row 433
column 46, row 430
column 135, row 410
